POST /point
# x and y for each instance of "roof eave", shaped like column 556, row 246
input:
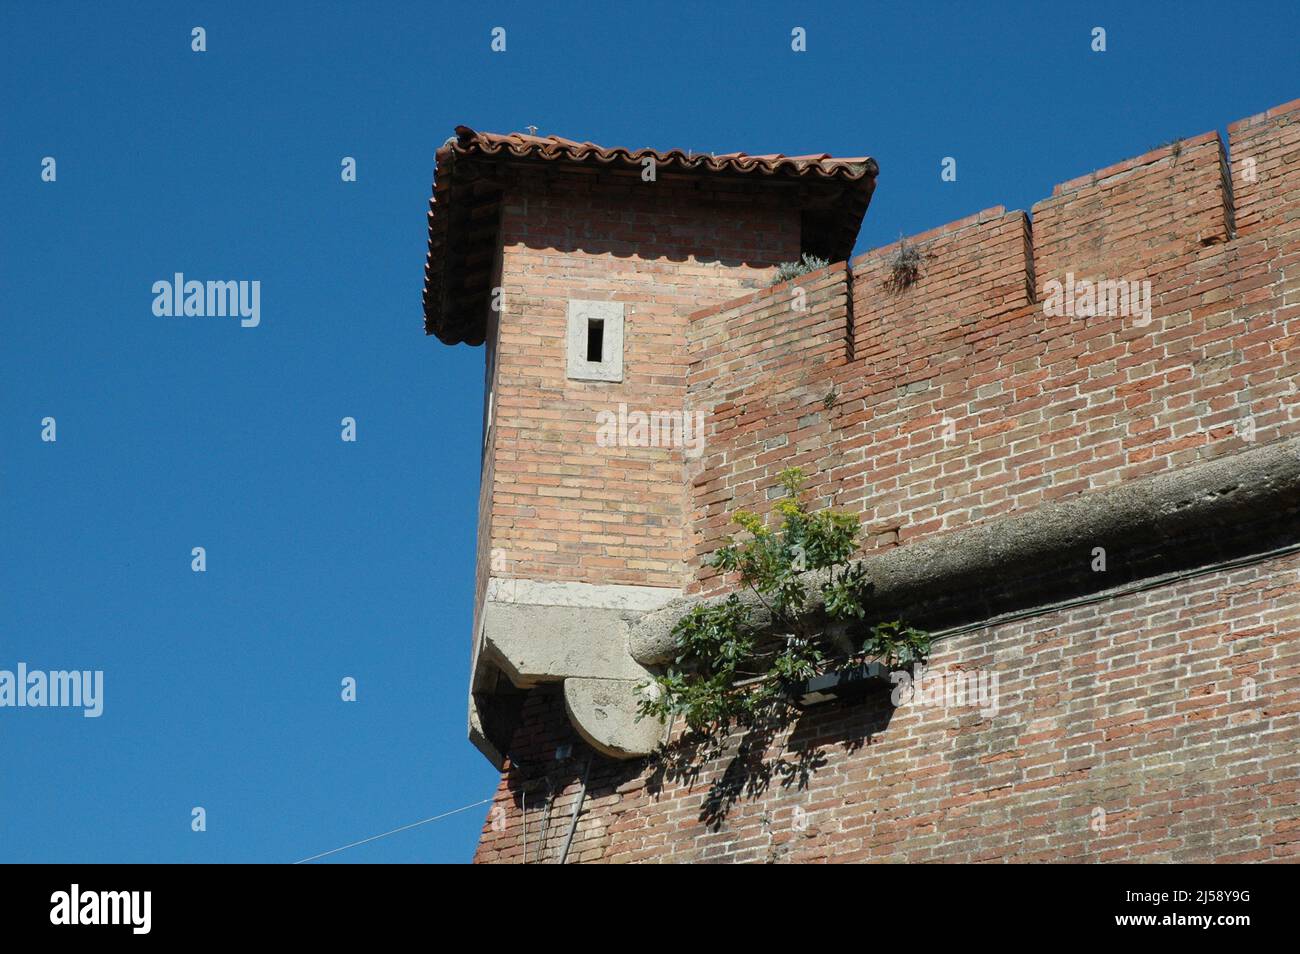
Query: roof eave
column 448, row 320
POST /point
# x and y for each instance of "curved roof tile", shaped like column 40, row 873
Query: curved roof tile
column 522, row 146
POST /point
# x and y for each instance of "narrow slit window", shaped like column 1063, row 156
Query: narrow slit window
column 593, row 341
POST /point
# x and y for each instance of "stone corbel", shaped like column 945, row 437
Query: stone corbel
column 535, row 632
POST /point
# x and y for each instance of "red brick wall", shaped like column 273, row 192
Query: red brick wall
column 1125, row 731
column 1136, row 706
column 564, row 508
column 1037, row 407
column 762, row 369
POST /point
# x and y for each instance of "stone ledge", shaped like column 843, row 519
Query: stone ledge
column 534, row 643
column 562, row 593
column 546, row 631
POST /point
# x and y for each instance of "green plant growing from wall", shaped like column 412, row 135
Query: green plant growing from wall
column 737, row 662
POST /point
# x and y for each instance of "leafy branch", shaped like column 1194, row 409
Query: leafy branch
column 737, row 666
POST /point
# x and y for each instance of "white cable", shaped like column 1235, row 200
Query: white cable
column 425, row 821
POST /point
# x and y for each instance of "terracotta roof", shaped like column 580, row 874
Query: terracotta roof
column 523, row 146
column 462, row 213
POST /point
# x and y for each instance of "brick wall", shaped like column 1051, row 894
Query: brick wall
column 1156, row 725
column 563, row 507
column 1126, row 730
column 963, row 400
column 762, row 369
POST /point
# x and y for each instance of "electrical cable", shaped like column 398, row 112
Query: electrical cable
column 424, row 821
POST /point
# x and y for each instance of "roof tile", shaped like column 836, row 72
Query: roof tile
column 451, row 313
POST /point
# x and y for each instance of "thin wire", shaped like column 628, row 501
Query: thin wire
column 425, row 821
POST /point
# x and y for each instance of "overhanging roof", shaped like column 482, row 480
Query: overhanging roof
column 463, row 210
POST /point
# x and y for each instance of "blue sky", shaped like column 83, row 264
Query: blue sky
column 329, row 559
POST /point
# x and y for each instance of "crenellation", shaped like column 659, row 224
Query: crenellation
column 1062, row 402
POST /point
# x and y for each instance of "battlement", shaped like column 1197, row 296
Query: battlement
column 967, row 393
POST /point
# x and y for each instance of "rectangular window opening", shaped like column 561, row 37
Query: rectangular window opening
column 595, row 338
column 593, row 341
